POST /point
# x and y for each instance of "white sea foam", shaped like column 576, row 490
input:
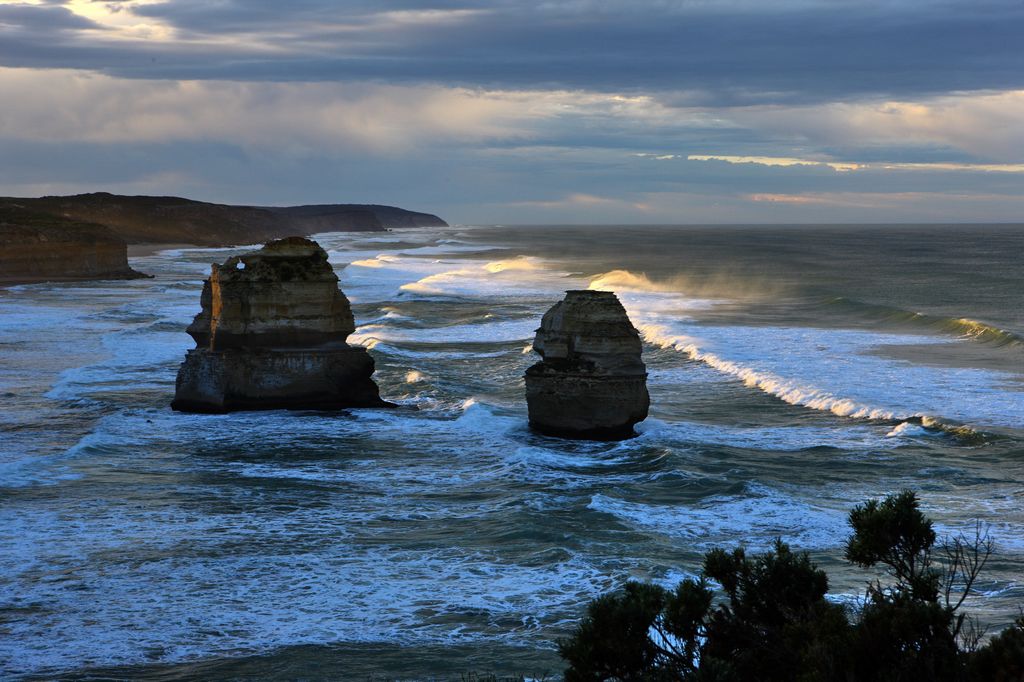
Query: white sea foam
column 504, row 278
column 255, row 603
column 29, row 470
column 823, row 369
column 638, row 292
column 448, row 246
column 483, row 332
column 753, row 519
column 788, row 390
column 829, row 370
column 193, row 536
column 383, row 276
column 135, row 361
column 782, row 438
column 909, row 430
column 379, row 261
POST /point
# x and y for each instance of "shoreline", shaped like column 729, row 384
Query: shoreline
column 143, row 249
column 18, row 281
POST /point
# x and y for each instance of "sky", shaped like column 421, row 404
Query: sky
column 526, row 111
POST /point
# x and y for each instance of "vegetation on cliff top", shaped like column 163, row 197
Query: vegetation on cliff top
column 146, row 219
column 19, row 224
column 770, row 618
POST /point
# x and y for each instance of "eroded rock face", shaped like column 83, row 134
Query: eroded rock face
column 271, row 334
column 35, row 247
column 592, row 382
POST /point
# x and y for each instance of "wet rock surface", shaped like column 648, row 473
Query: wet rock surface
column 272, row 334
column 591, row 382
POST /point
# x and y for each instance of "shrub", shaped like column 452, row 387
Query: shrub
column 1003, row 659
column 773, row 622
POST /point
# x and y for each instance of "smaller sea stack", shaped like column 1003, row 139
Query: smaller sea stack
column 591, row 382
column 272, row 334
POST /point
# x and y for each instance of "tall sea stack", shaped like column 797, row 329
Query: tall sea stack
column 271, row 334
column 591, row 382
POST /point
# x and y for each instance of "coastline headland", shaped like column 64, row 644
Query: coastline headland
column 36, row 248
column 85, row 236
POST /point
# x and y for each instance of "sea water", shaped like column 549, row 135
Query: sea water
column 794, row 372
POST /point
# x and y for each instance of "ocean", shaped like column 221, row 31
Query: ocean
column 794, row 372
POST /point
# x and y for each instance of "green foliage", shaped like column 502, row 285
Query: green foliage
column 773, row 621
column 613, row 640
column 895, row 533
column 776, row 624
column 776, row 618
column 1003, row 659
column 898, row 638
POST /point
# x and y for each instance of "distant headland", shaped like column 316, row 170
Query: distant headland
column 85, row 236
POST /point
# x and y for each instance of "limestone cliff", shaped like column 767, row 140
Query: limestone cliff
column 272, row 334
column 591, row 382
column 37, row 248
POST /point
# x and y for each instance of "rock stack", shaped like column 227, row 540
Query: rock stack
column 271, row 334
column 591, row 382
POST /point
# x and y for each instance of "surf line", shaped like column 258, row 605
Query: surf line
column 960, row 327
column 790, row 392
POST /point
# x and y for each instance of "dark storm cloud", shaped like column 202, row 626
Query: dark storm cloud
column 725, row 52
column 602, row 103
column 202, row 16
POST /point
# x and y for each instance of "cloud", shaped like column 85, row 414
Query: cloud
column 799, row 199
column 981, row 124
column 720, row 52
column 578, row 200
column 297, row 116
column 70, row 105
column 774, row 161
column 847, row 166
column 658, row 157
column 887, row 201
column 33, row 18
column 526, row 110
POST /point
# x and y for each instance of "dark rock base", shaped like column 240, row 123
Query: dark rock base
column 570, row 405
column 298, row 379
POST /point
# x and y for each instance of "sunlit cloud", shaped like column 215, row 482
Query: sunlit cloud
column 85, row 107
column 851, row 166
column 109, row 20
column 982, row 124
column 797, row 199
column 419, row 17
column 658, row 157
column 880, row 200
column 774, row 161
column 533, row 110
column 72, row 105
column 582, row 200
column 980, row 167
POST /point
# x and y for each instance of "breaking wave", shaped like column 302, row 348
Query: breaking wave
column 523, row 274
column 624, row 279
column 962, row 327
column 788, row 391
column 799, row 393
